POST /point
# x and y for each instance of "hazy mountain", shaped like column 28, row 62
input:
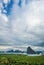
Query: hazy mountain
column 30, row 51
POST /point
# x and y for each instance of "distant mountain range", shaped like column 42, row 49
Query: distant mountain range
column 29, row 51
column 16, row 51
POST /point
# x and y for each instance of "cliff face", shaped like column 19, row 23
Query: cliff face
column 30, row 51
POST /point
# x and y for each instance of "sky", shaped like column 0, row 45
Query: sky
column 22, row 24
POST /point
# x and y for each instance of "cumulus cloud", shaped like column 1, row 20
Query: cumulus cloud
column 25, row 24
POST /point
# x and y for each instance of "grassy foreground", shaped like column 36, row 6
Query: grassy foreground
column 12, row 59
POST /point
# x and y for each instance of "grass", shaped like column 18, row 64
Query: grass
column 15, row 59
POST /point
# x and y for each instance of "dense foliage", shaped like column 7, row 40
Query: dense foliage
column 12, row 59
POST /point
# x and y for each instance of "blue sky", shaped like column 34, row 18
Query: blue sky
column 22, row 23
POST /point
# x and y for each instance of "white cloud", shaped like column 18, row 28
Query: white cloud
column 30, row 17
column 6, row 1
column 26, row 24
column 4, row 17
column 23, row 48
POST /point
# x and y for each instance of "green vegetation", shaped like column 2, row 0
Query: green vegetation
column 15, row 59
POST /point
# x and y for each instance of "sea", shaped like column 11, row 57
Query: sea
column 24, row 54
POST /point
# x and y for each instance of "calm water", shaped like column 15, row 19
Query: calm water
column 23, row 54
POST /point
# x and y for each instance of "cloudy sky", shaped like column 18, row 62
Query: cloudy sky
column 22, row 23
